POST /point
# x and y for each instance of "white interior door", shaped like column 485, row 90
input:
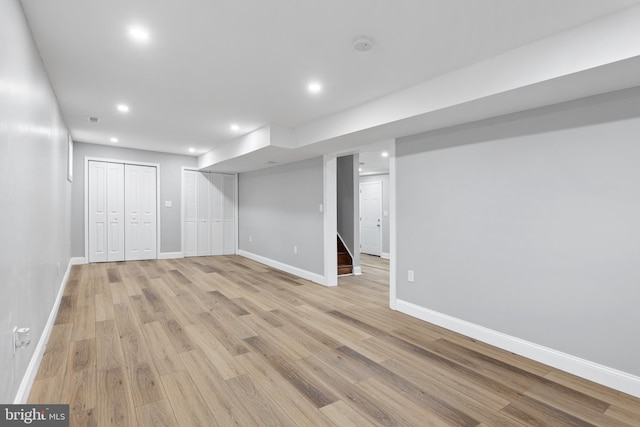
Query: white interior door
column 371, row 218
column 190, row 212
column 140, row 212
column 204, row 213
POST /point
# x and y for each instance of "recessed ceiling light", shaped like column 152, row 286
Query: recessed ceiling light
column 234, row 127
column 314, row 87
column 139, row 34
column 385, row 154
column 123, row 108
column 113, row 139
column 359, row 169
column 192, row 150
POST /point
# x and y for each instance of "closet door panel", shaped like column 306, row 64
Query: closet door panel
column 216, row 238
column 115, row 209
column 229, row 197
column 133, row 206
column 149, row 210
column 190, row 212
column 140, row 212
column 217, row 197
column 97, row 207
column 228, row 238
column 204, row 213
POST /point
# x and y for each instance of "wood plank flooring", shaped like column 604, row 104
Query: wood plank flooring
column 226, row 341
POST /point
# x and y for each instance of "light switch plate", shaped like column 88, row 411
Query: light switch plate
column 168, row 204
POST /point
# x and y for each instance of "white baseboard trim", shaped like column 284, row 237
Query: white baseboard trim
column 385, row 255
column 357, row 271
column 600, row 374
column 314, row 277
column 34, row 364
column 170, row 255
column 78, row 261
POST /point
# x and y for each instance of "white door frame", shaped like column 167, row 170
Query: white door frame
column 88, row 159
column 393, row 262
column 330, row 216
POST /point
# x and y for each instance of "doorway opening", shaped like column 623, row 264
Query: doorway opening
column 373, row 172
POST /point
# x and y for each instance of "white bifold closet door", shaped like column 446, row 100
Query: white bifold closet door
column 208, row 213
column 140, row 210
column 122, row 212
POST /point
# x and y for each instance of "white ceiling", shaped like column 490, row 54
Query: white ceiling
column 212, row 63
column 373, row 161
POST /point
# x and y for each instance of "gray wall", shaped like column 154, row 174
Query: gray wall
column 279, row 208
column 170, row 190
column 529, row 225
column 386, row 188
column 35, row 196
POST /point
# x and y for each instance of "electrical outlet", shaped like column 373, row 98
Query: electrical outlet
column 21, row 338
column 295, row 249
column 410, row 276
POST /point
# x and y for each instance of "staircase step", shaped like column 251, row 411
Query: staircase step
column 345, row 263
column 344, row 259
column 345, row 269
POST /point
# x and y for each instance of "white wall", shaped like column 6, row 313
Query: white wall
column 35, row 196
column 529, row 225
column 279, row 209
column 170, row 190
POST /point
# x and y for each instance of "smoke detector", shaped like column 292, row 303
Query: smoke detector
column 362, row 43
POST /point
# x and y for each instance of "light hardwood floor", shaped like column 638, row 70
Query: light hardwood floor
column 226, row 341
